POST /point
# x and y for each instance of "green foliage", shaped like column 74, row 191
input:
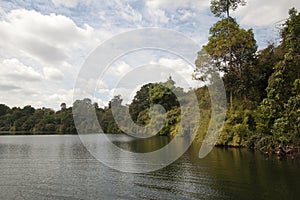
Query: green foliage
column 30, row 120
column 239, row 127
column 219, row 7
column 278, row 121
column 3, row 109
column 230, row 50
column 281, row 88
column 172, row 123
column 140, row 102
column 286, row 129
column 266, row 60
column 164, row 94
column 265, row 110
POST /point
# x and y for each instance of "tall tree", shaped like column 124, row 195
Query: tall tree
column 219, row 7
column 231, row 50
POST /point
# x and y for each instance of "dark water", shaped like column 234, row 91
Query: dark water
column 59, row 167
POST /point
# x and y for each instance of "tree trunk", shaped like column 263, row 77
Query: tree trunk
column 227, row 8
column 230, row 99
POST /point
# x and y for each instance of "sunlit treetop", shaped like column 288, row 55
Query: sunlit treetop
column 220, row 7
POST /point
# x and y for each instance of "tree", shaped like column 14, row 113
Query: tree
column 3, row 109
column 28, row 110
column 204, row 67
column 287, row 127
column 219, row 7
column 164, row 94
column 283, row 87
column 266, row 60
column 140, row 102
column 115, row 101
column 231, row 50
column 63, row 106
column 106, row 118
column 84, row 116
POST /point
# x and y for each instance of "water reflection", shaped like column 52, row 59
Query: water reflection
column 59, row 167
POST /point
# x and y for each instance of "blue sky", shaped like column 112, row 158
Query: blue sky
column 44, row 43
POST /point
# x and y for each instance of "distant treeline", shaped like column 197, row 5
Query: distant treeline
column 29, row 120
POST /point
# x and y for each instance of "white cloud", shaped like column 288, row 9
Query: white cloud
column 165, row 11
column 119, row 68
column 36, row 51
column 12, row 70
column 127, row 94
column 120, row 14
column 59, row 96
column 49, row 39
column 180, row 71
column 266, row 12
column 101, row 103
column 158, row 16
column 37, row 97
column 67, row 3
column 22, row 85
column 173, row 5
column 70, row 3
column 186, row 14
column 8, row 87
column 53, row 74
column 129, row 14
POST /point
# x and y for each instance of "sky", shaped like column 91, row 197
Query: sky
column 45, row 43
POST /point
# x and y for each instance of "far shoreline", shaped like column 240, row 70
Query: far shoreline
column 12, row 133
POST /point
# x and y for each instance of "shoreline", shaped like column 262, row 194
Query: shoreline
column 12, row 133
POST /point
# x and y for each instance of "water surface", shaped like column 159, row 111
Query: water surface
column 59, row 167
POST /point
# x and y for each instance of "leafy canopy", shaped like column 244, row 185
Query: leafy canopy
column 219, row 7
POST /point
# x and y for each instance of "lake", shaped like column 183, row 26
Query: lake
column 59, row 167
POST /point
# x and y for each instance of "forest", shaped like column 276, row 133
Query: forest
column 262, row 87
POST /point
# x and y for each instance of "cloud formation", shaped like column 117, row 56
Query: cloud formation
column 15, row 71
column 266, row 12
column 46, row 38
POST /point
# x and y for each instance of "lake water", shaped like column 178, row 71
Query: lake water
column 59, row 167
